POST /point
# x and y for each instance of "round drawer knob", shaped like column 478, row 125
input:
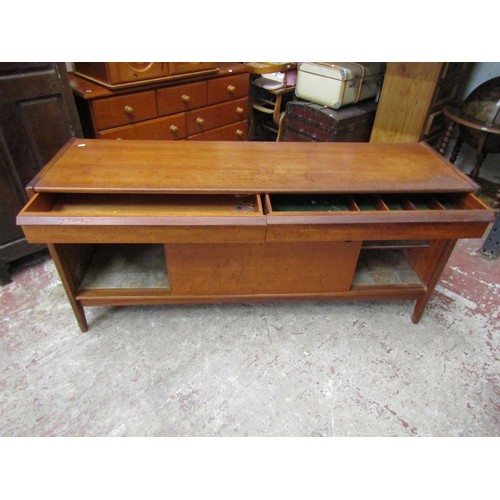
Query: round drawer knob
column 200, row 121
column 239, row 133
column 239, row 110
column 129, row 110
column 174, row 129
column 231, row 89
column 185, row 98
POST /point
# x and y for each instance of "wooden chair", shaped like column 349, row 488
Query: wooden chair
column 268, row 105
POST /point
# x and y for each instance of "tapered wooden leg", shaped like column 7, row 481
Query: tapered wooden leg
column 70, row 286
column 434, row 276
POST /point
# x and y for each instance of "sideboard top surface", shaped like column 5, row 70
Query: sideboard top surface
column 97, row 165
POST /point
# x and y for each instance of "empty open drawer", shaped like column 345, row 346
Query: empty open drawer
column 149, row 218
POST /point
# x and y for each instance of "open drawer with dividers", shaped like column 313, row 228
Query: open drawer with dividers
column 323, row 216
column 142, row 218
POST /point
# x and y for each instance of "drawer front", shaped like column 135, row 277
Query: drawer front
column 234, row 132
column 181, row 98
column 168, row 128
column 180, row 68
column 204, row 119
column 122, row 110
column 144, row 234
column 227, row 88
column 124, row 72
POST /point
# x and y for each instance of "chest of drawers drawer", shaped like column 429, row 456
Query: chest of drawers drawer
column 229, row 87
column 203, row 119
column 165, row 128
column 121, row 110
column 233, row 132
column 181, row 98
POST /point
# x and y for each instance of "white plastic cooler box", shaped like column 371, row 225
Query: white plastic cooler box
column 336, row 84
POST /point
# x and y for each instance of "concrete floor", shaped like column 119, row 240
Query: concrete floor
column 275, row 369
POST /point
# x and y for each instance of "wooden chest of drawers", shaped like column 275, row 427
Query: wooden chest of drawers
column 213, row 108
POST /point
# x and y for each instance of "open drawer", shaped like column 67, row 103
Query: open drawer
column 142, row 218
column 321, row 216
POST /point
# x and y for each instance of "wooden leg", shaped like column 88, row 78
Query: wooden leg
column 280, row 127
column 434, row 276
column 456, row 149
column 445, row 140
column 481, row 155
column 64, row 270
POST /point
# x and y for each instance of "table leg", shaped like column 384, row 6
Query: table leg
column 481, row 155
column 68, row 281
column 435, row 274
column 456, row 149
column 443, row 146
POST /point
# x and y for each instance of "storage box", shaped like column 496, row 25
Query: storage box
column 309, row 122
column 338, row 84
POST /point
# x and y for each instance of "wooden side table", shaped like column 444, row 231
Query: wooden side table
column 486, row 131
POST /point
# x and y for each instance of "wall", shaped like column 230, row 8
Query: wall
column 481, row 72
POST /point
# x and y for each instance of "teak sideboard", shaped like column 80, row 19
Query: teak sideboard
column 157, row 222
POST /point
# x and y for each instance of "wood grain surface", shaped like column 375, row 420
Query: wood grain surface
column 97, row 165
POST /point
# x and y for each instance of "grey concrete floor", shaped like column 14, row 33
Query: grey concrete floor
column 273, row 369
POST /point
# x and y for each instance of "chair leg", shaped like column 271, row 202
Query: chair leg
column 281, row 124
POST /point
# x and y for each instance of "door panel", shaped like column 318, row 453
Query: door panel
column 37, row 117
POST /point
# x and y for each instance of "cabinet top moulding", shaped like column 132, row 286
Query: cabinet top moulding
column 138, row 166
column 87, row 89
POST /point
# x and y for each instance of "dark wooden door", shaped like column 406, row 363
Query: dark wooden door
column 37, row 116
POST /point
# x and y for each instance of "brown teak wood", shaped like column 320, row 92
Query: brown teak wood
column 214, row 210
